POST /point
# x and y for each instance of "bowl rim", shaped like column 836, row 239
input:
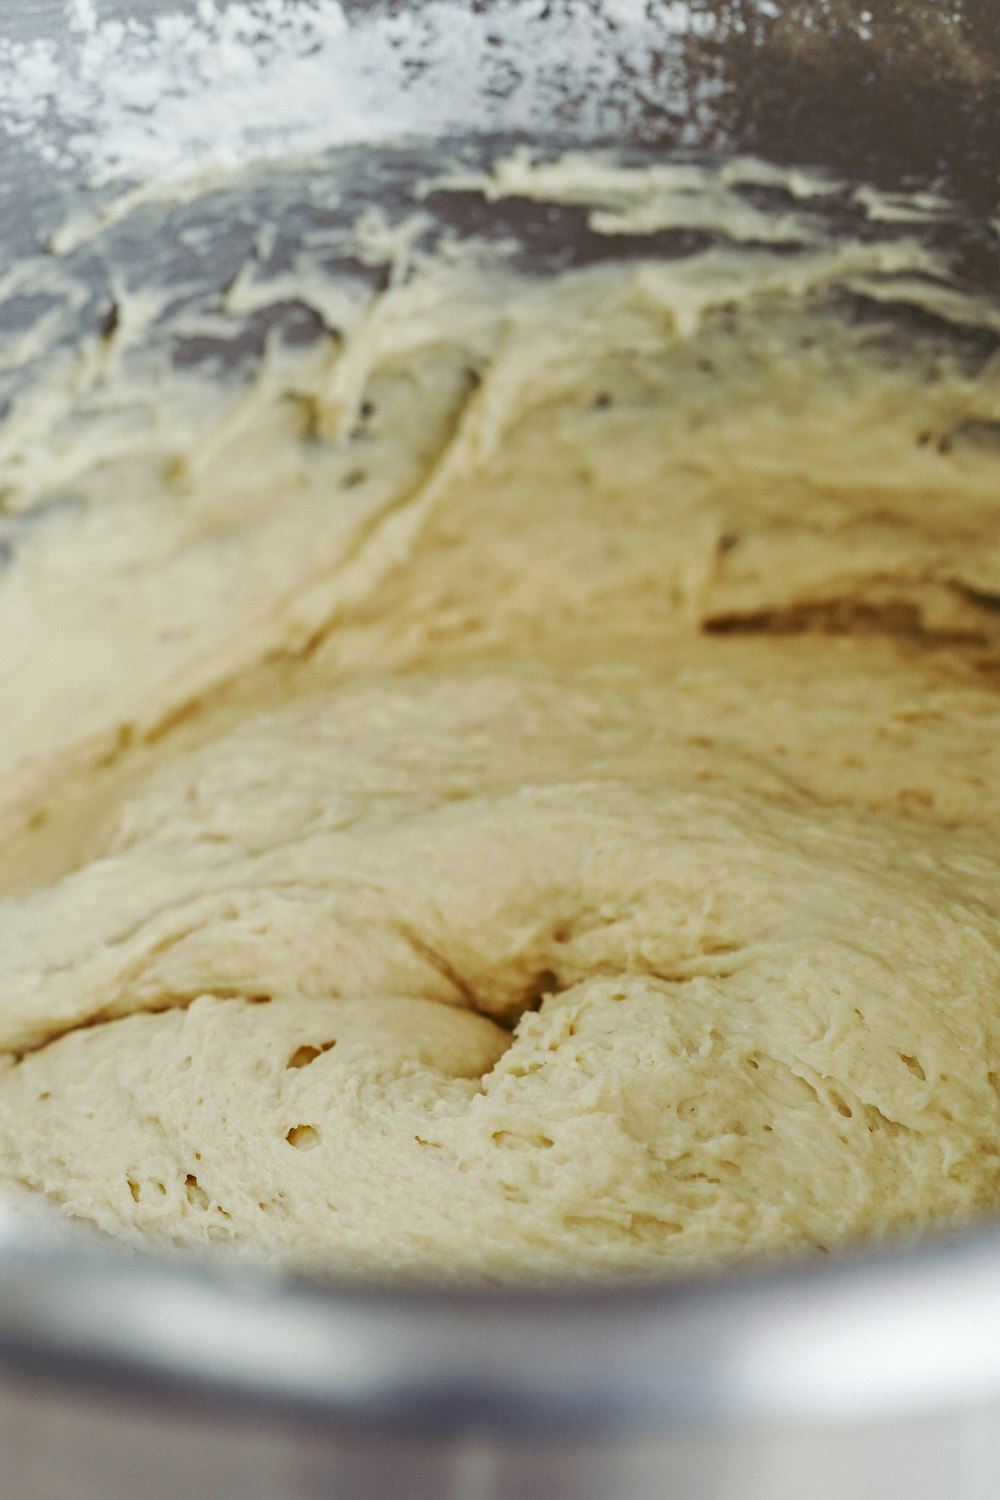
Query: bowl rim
column 859, row 1336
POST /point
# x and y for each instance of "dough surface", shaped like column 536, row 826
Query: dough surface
column 573, row 852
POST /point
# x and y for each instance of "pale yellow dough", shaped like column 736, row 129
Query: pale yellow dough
column 577, row 851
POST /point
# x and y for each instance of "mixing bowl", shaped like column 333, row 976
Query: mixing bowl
column 153, row 150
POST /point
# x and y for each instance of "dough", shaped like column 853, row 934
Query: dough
column 572, row 852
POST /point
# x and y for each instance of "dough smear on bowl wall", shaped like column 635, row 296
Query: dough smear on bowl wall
column 511, row 789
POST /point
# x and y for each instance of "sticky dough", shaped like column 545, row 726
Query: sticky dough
column 586, row 862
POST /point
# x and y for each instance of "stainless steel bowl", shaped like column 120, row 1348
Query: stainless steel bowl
column 877, row 1375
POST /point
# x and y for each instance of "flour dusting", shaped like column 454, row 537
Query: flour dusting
column 117, row 97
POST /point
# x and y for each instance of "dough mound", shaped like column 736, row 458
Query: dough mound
column 518, row 794
column 431, row 1011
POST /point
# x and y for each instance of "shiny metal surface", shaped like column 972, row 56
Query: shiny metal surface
column 877, row 1376
column 864, row 1339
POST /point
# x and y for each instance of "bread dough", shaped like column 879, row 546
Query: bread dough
column 573, row 852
